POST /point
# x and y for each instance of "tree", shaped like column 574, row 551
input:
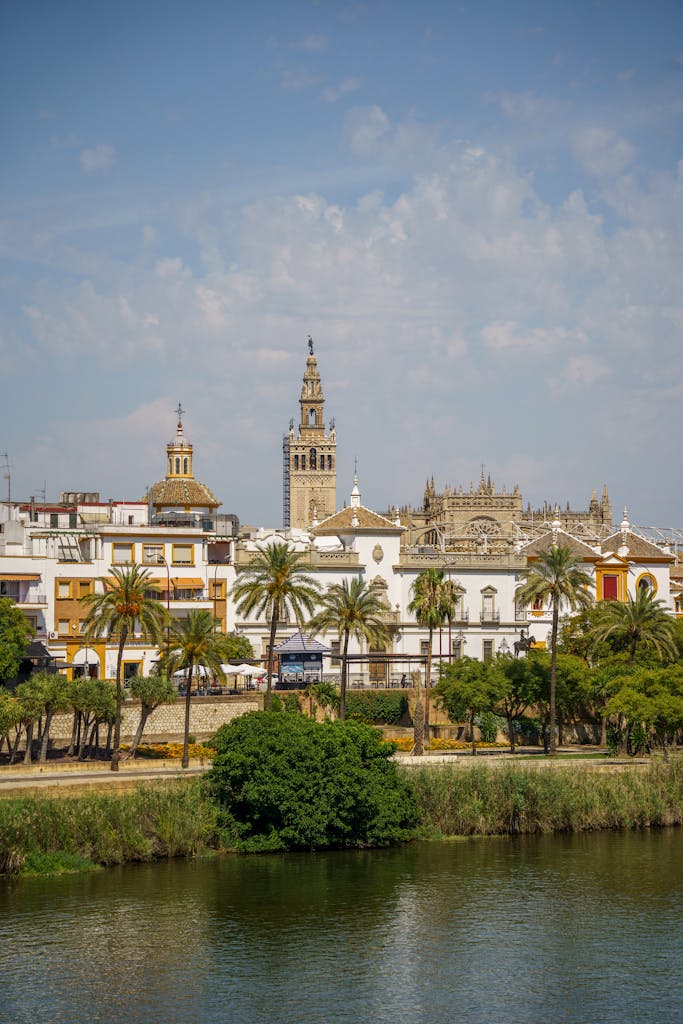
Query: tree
column 639, row 621
column 350, row 609
column 193, row 643
column 275, row 581
column 433, row 604
column 556, row 576
column 15, row 633
column 521, row 691
column 152, row 692
column 10, row 716
column 95, row 701
column 126, row 601
column 237, row 648
column 468, row 688
column 648, row 705
column 42, row 695
column 285, row 782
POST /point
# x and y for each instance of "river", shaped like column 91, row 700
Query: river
column 583, row 928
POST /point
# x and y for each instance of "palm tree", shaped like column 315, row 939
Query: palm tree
column 126, row 601
column 193, row 643
column 276, row 580
column 555, row 576
column 350, row 609
column 433, row 604
column 639, row 620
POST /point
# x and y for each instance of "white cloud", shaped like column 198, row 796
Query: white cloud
column 344, row 88
column 98, row 159
column 297, row 80
column 601, row 152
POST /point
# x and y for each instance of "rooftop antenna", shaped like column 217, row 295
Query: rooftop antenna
column 8, row 477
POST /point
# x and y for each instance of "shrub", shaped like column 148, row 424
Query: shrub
column 286, row 782
column 379, row 708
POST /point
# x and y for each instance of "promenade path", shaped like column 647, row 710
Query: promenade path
column 69, row 778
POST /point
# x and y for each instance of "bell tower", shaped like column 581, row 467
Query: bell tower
column 309, row 456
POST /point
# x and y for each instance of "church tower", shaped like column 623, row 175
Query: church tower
column 309, row 457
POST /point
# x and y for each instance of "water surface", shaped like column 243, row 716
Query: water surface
column 584, row 928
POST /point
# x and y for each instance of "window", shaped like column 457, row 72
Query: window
column 54, row 519
column 63, row 626
column 183, row 554
column 647, row 584
column 610, row 588
column 313, row 459
column 329, row 462
column 456, row 648
column 83, row 588
column 177, row 464
column 152, row 554
column 122, row 554
column 185, row 465
column 296, row 462
column 63, row 588
column 303, row 461
column 73, row 520
column 424, row 648
column 336, row 651
column 487, row 650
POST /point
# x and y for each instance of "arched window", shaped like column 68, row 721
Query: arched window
column 313, row 459
column 303, row 461
column 185, row 465
column 296, row 462
column 311, row 418
column 329, row 462
column 177, row 464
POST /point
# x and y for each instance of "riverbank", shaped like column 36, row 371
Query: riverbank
column 173, row 817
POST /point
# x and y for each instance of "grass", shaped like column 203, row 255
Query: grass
column 42, row 835
column 511, row 799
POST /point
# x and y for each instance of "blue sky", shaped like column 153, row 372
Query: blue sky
column 475, row 209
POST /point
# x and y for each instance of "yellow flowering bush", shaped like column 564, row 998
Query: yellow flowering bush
column 173, row 751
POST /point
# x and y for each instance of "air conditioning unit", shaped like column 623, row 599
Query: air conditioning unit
column 52, row 635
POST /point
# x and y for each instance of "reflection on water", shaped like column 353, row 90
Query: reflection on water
column 574, row 929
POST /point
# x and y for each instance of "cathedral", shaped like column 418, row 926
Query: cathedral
column 480, row 519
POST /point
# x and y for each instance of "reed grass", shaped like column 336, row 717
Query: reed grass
column 152, row 822
column 513, row 799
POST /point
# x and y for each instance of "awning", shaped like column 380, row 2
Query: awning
column 94, row 517
column 187, row 583
column 20, row 576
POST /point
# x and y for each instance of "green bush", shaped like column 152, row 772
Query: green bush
column 386, row 708
column 285, row 782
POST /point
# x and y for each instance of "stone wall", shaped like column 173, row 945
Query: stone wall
column 207, row 714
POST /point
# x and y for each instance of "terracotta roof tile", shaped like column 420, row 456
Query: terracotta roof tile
column 181, row 494
column 638, row 547
column 577, row 547
column 368, row 521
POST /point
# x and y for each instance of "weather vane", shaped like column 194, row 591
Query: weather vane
column 180, row 412
column 310, row 344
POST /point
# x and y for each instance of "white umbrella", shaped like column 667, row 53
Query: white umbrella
column 198, row 670
column 242, row 670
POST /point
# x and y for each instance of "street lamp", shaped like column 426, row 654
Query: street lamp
column 161, row 560
column 504, row 647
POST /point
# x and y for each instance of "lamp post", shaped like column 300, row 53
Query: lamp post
column 161, row 560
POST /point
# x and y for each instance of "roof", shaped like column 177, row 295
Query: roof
column 181, row 494
column 299, row 643
column 562, row 539
column 368, row 522
column 638, row 547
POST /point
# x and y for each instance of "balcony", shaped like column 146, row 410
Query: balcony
column 32, row 599
column 489, row 618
